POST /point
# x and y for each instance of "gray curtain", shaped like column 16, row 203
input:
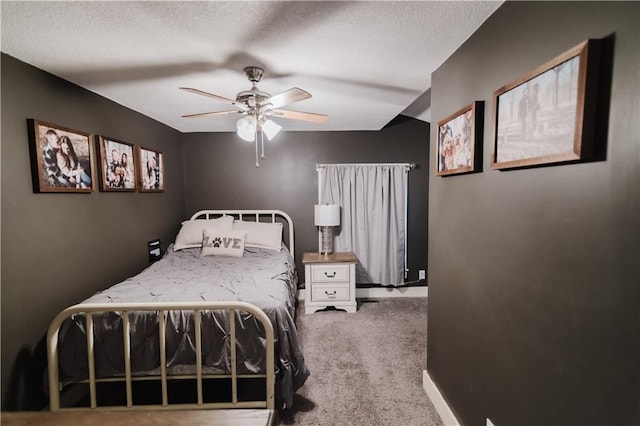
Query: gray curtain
column 373, row 216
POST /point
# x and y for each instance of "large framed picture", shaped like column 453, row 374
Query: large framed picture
column 460, row 141
column 547, row 115
column 117, row 165
column 61, row 158
column 150, row 170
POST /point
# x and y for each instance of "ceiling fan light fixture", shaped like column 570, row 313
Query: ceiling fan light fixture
column 256, row 105
column 246, row 128
column 270, row 129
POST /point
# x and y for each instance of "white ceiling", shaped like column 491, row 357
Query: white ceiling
column 363, row 62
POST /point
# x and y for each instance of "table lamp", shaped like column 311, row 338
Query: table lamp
column 326, row 216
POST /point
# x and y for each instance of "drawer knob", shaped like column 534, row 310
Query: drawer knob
column 331, row 275
column 332, row 294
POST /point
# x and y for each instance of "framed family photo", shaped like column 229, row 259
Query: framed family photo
column 547, row 115
column 61, row 158
column 459, row 147
column 117, row 165
column 150, row 170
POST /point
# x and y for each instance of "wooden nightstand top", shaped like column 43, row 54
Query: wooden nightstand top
column 344, row 257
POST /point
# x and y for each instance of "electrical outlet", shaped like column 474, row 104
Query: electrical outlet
column 489, row 422
column 422, row 274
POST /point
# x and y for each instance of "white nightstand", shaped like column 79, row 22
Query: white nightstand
column 330, row 280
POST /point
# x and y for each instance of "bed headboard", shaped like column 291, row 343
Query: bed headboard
column 269, row 216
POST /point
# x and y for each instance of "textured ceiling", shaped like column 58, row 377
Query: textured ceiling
column 363, row 62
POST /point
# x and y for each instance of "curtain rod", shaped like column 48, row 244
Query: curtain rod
column 409, row 165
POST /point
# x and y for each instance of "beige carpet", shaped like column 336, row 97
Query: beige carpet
column 366, row 368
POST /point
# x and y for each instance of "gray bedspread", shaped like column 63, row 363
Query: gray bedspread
column 263, row 277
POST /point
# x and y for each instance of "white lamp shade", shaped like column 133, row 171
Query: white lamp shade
column 326, row 214
column 270, row 129
column 247, row 128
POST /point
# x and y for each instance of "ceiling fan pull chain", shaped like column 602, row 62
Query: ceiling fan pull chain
column 256, row 139
column 262, row 142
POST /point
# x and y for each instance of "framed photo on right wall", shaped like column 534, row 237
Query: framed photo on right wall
column 459, row 148
column 150, row 170
column 547, row 115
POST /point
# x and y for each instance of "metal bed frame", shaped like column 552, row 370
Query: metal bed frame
column 162, row 309
column 257, row 216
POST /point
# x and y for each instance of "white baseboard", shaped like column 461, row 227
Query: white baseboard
column 375, row 292
column 382, row 292
column 441, row 406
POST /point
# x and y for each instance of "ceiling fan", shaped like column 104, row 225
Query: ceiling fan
column 257, row 106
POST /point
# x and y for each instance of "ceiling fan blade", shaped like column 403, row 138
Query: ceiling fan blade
column 208, row 114
column 210, row 95
column 286, row 98
column 299, row 115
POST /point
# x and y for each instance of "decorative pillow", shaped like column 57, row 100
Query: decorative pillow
column 261, row 234
column 218, row 242
column 192, row 231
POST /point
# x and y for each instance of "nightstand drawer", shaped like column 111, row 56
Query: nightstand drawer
column 330, row 273
column 330, row 293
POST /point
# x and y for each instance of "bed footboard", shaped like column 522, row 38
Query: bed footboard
column 162, row 310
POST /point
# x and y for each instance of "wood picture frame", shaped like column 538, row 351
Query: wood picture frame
column 459, row 148
column 117, row 165
column 547, row 116
column 150, row 167
column 61, row 158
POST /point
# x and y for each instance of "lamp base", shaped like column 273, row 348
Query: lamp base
column 327, row 240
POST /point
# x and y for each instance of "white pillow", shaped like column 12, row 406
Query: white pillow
column 192, row 231
column 218, row 242
column 261, row 234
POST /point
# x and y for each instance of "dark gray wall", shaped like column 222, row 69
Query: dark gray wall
column 534, row 291
column 58, row 249
column 220, row 173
